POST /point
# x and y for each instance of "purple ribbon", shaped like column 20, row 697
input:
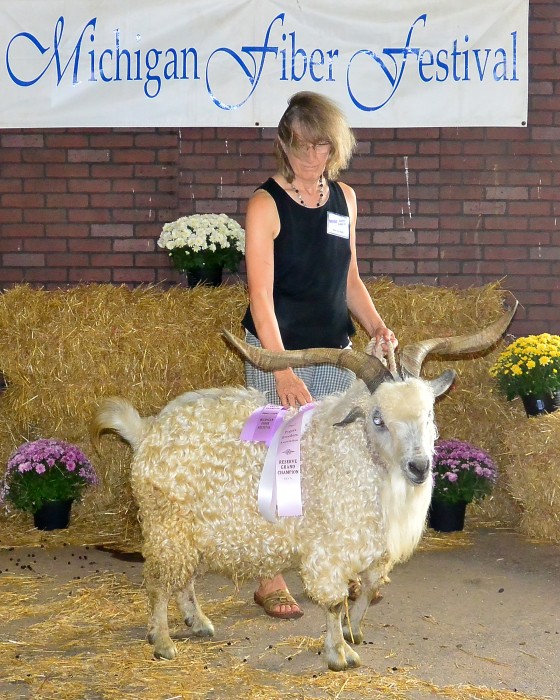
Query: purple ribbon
column 280, row 483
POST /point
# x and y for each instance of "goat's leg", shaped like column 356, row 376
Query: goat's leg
column 340, row 656
column 371, row 581
column 192, row 613
column 158, row 629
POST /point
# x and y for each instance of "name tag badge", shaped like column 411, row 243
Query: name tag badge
column 338, row 225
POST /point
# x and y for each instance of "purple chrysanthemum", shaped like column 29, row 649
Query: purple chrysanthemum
column 462, row 472
column 45, row 470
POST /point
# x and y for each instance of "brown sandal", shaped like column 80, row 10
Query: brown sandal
column 272, row 600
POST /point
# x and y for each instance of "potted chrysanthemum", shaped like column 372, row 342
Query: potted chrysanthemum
column 202, row 245
column 44, row 477
column 462, row 473
column 530, row 368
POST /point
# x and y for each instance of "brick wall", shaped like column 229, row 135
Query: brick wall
column 457, row 207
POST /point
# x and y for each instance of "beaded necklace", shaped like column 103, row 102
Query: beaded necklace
column 321, row 193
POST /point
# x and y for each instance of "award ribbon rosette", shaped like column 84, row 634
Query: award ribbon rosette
column 280, row 483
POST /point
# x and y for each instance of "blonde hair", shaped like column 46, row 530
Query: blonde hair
column 318, row 119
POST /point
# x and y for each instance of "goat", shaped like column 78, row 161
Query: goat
column 365, row 477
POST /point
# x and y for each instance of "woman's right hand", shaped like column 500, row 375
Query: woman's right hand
column 291, row 390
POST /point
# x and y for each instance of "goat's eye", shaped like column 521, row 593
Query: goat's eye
column 377, row 420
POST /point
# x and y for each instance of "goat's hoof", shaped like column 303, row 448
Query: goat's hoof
column 165, row 651
column 343, row 659
column 204, row 629
column 356, row 637
column 352, row 658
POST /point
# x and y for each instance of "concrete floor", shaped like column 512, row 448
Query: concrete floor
column 486, row 613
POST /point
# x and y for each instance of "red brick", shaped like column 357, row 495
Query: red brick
column 67, row 171
column 69, row 231
column 44, row 185
column 112, row 231
column 133, row 155
column 11, row 140
column 66, row 260
column 545, row 253
column 53, row 275
column 22, row 170
column 43, row 155
column 136, row 246
column 90, row 245
column 134, row 276
column 23, row 260
column 154, row 171
column 507, row 193
column 22, row 201
column 155, row 200
column 506, row 253
column 67, row 201
column 393, row 267
column 97, row 275
column 484, row 207
column 161, row 139
column 68, row 140
column 89, row 155
column 110, row 170
column 88, row 185
column 112, row 201
column 10, row 185
column 25, row 231
column 89, row 216
column 113, row 260
column 10, row 245
column 108, row 140
column 45, row 245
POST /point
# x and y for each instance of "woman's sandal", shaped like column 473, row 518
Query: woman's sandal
column 273, row 600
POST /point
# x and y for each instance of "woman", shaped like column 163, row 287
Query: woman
column 302, row 270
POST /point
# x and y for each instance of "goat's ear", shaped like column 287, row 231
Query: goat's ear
column 354, row 414
column 442, row 383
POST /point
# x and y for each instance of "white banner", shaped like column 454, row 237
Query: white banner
column 135, row 63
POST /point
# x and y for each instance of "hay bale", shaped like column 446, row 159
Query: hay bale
column 62, row 351
column 533, row 471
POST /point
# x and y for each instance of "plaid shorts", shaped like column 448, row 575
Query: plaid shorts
column 321, row 380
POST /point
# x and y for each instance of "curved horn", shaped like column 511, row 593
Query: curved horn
column 413, row 355
column 371, row 370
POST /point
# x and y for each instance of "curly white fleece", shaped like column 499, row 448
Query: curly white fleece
column 196, row 486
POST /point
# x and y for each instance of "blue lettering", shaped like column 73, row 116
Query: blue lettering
column 185, row 55
column 441, row 60
column 105, row 78
column 317, row 58
column 393, row 71
column 55, row 56
column 295, row 54
column 277, row 49
column 151, row 66
column 426, row 58
column 294, row 63
column 332, row 54
column 514, row 55
column 253, row 71
column 500, row 69
column 481, row 67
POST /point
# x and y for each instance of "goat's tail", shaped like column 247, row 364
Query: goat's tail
column 120, row 416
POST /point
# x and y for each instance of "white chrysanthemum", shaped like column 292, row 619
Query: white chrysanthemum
column 203, row 234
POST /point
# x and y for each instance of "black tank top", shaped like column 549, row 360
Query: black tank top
column 310, row 273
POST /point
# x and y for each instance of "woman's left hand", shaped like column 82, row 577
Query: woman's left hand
column 386, row 337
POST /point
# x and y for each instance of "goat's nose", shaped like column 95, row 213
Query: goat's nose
column 419, row 468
